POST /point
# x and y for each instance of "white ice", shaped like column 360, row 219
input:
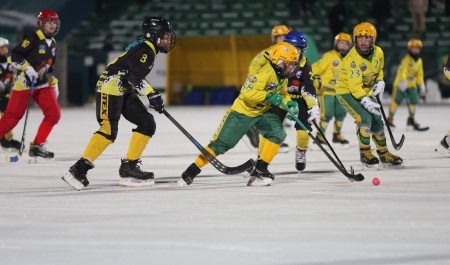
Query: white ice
column 316, row 218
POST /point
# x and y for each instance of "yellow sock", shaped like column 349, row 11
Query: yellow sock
column 137, row 145
column 270, row 151
column 262, row 142
column 302, row 139
column 201, row 160
column 95, row 147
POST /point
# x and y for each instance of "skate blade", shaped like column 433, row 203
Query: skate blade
column 338, row 146
column 133, row 182
column 73, row 182
column 39, row 160
column 181, row 183
column 257, row 182
column 387, row 166
column 442, row 150
column 370, row 167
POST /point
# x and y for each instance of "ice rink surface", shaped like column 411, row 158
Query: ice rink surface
column 317, row 218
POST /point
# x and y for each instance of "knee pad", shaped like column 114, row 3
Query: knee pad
column 147, row 126
column 109, row 130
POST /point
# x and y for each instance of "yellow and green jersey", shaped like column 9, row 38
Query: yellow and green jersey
column 328, row 68
column 358, row 74
column 259, row 61
column 252, row 98
column 410, row 70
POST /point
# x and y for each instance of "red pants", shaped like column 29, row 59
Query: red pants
column 17, row 105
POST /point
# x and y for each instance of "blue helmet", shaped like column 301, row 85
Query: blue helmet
column 297, row 39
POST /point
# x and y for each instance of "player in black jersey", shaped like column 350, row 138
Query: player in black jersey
column 117, row 94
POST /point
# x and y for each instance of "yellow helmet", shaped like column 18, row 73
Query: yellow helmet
column 344, row 37
column 365, row 29
column 279, row 30
column 284, row 58
column 415, row 43
column 368, row 30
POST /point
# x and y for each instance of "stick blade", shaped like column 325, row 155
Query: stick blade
column 398, row 146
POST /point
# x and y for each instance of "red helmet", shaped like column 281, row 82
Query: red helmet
column 48, row 15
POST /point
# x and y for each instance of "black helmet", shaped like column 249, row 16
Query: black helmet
column 159, row 31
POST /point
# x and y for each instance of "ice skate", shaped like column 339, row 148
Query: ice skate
column 38, row 153
column 411, row 123
column 187, row 177
column 368, row 159
column 10, row 145
column 133, row 176
column 340, row 141
column 387, row 159
column 300, row 159
column 314, row 146
column 284, row 148
column 260, row 175
column 76, row 177
column 390, row 122
column 443, row 147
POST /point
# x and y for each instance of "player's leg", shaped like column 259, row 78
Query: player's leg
column 108, row 111
column 136, row 112
column 45, row 98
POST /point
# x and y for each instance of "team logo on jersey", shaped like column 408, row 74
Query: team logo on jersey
column 410, row 64
column 252, row 79
column 299, row 74
column 363, row 67
column 271, row 86
column 335, row 63
column 42, row 49
column 353, row 64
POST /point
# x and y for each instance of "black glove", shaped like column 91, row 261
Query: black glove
column 156, row 101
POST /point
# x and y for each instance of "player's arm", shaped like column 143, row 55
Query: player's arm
column 420, row 76
column 447, row 68
column 308, row 90
column 380, row 74
column 253, row 91
column 258, row 62
column 139, row 62
column 20, row 52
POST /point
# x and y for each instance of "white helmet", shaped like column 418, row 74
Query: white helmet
column 3, row 42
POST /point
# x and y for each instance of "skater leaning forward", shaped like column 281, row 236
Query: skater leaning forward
column 360, row 79
column 117, row 94
column 268, row 86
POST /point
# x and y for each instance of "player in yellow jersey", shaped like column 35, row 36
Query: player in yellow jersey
column 267, row 87
column 444, row 145
column 409, row 84
column 261, row 59
column 327, row 71
column 360, row 79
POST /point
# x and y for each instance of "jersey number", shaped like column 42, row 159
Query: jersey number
column 354, row 74
column 143, row 58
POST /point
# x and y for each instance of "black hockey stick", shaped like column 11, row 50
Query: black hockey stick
column 212, row 159
column 22, row 141
column 396, row 145
column 351, row 176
